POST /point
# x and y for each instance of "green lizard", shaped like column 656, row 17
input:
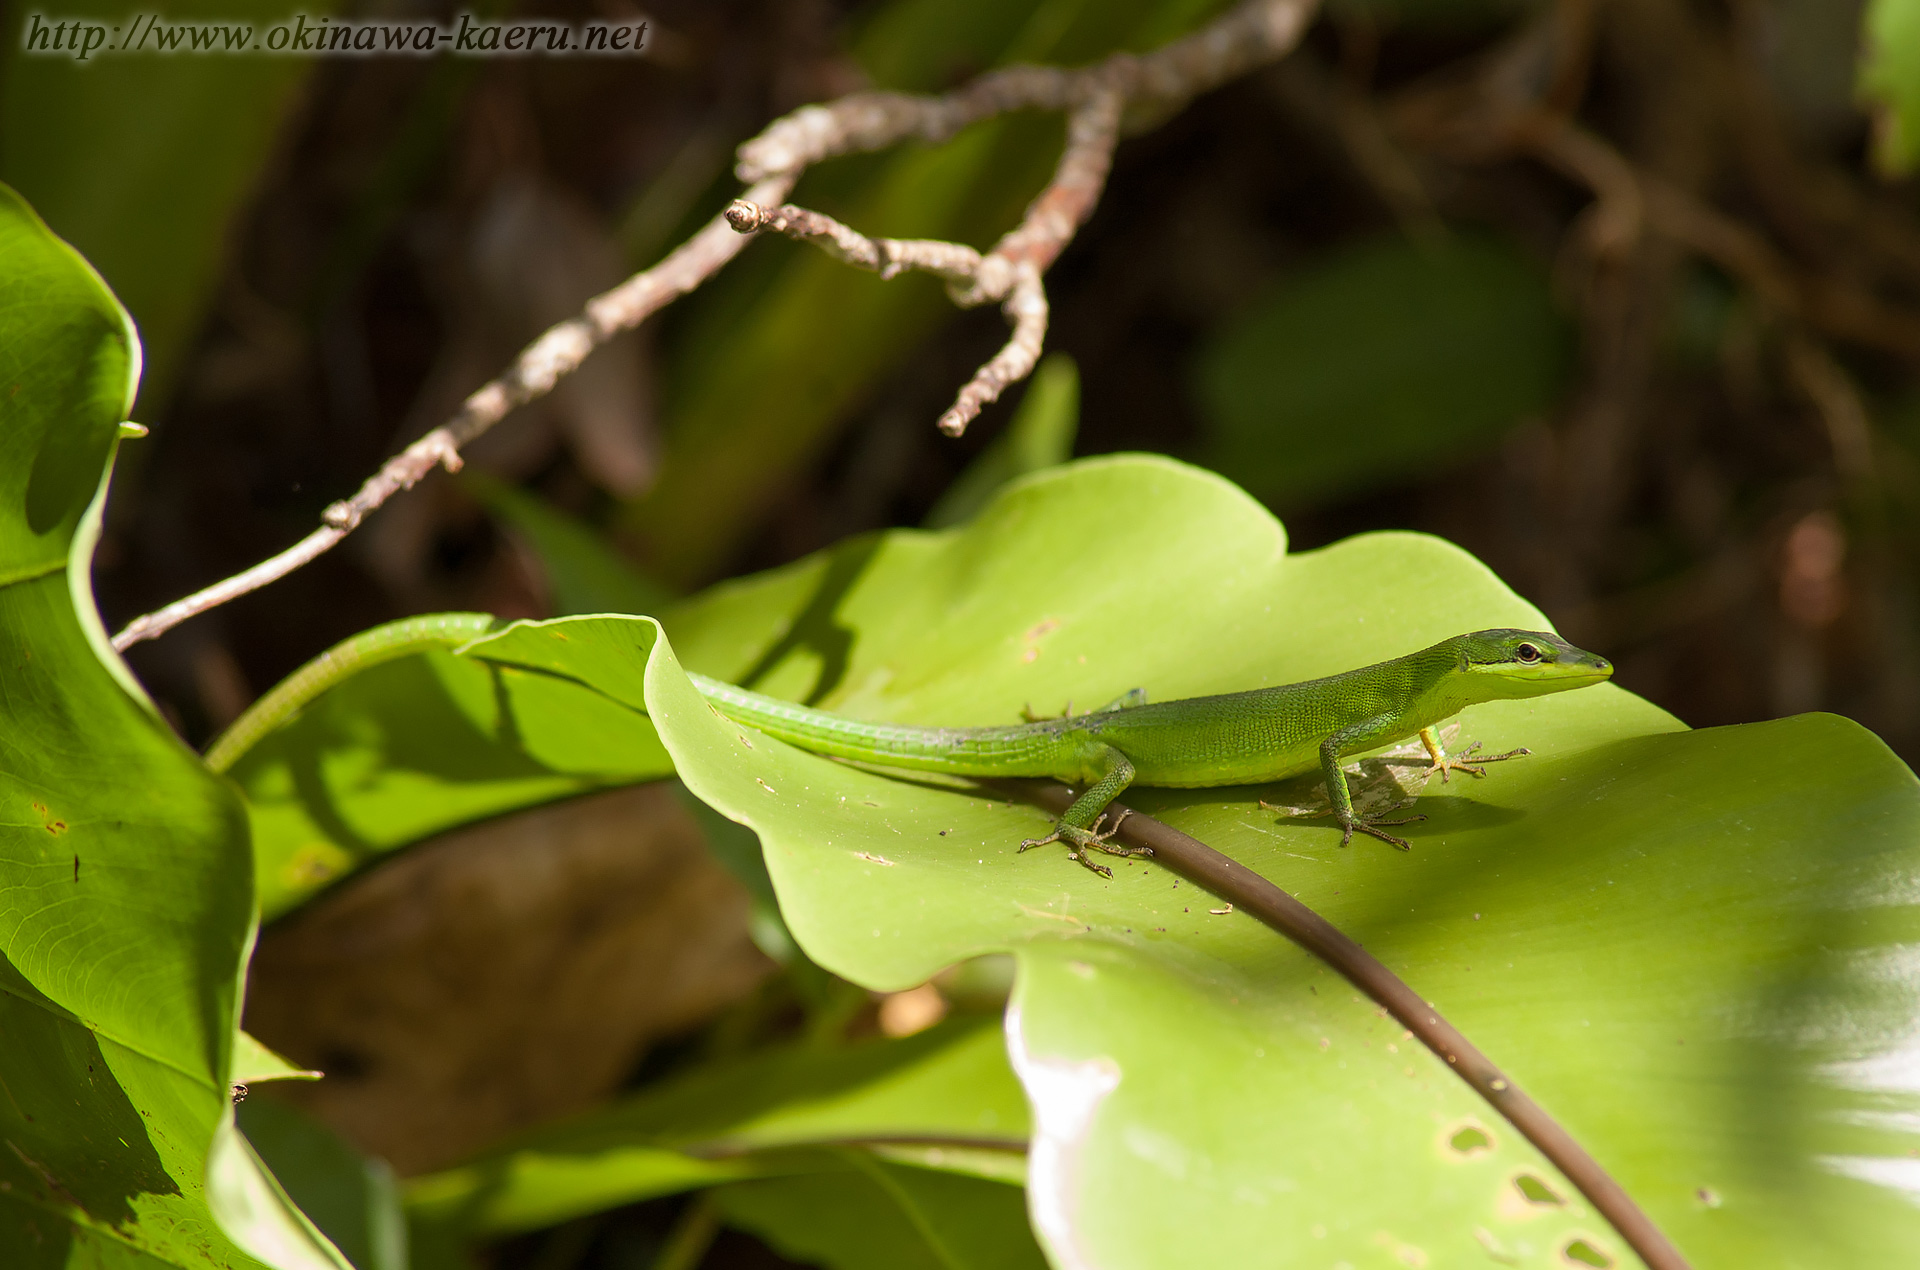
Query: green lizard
column 1238, row 738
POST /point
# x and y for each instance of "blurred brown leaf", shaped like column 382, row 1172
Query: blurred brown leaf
column 504, row 974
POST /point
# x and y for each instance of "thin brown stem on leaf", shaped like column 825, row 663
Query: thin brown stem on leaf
column 1253, row 894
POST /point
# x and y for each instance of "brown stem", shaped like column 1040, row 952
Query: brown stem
column 1248, row 891
column 1254, row 33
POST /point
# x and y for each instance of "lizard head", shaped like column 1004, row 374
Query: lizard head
column 1528, row 663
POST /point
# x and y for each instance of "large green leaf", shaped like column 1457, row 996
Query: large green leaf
column 1385, row 361
column 416, row 746
column 1546, row 908
column 126, row 902
column 1688, row 945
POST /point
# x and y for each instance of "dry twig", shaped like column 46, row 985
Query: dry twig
column 1257, row 32
column 539, row 367
column 1095, row 98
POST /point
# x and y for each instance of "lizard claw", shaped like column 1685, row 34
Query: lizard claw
column 1085, row 840
column 1349, row 825
column 1100, row 840
column 1081, row 857
column 1080, row 842
column 1446, row 764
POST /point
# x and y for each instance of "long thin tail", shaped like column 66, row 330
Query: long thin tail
column 369, row 648
column 979, row 751
column 957, row 750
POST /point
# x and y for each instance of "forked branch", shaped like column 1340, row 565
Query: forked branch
column 1095, row 97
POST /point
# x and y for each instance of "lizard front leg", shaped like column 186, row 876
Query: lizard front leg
column 1445, row 764
column 1342, row 799
column 1079, row 827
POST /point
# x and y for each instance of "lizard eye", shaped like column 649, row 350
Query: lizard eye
column 1527, row 653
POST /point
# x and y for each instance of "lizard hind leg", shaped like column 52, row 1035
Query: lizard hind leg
column 1350, row 824
column 1079, row 827
column 1353, row 821
column 1350, row 820
column 1082, row 842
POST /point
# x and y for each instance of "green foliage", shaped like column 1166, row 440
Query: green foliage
column 1040, row 436
column 789, row 1110
column 126, row 902
column 1387, row 360
column 352, row 1199
column 255, row 1063
column 1681, row 942
column 874, row 1215
column 1890, row 81
column 886, row 1153
column 71, row 356
column 419, row 745
column 1694, row 947
column 142, row 161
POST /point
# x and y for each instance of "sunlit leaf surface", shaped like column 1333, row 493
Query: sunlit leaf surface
column 1691, row 946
